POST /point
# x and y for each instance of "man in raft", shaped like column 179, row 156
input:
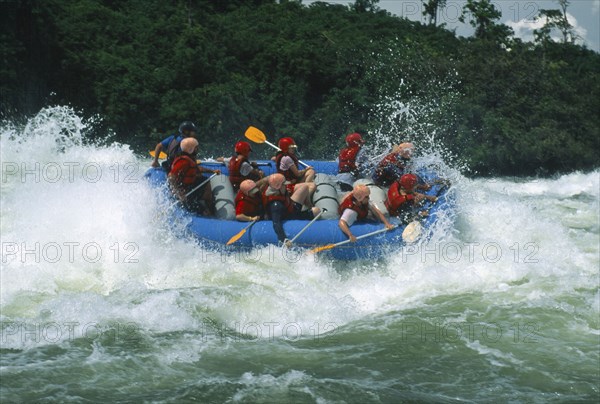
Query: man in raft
column 402, row 199
column 392, row 166
column 171, row 145
column 280, row 205
column 186, row 174
column 356, row 206
column 240, row 167
column 350, row 161
column 248, row 201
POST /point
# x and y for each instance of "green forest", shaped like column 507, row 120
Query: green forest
column 311, row 71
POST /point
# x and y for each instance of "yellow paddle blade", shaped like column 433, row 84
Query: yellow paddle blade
column 255, row 134
column 236, row 237
column 161, row 156
column 322, row 248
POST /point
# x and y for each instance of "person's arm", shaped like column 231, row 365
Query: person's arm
column 248, row 169
column 380, row 216
column 346, row 230
column 157, row 151
column 243, row 218
column 208, row 170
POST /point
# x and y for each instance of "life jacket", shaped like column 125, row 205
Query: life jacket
column 285, row 199
column 347, row 160
column 350, row 203
column 289, row 176
column 185, row 169
column 389, row 169
column 173, row 151
column 235, row 175
column 396, row 201
column 248, row 205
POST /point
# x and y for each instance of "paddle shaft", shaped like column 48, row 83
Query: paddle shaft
column 308, row 225
column 361, row 237
column 194, row 190
column 241, row 233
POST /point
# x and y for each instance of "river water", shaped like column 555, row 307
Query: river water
column 101, row 300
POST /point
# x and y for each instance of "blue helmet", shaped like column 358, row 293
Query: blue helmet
column 187, row 126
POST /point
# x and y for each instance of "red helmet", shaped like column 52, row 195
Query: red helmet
column 354, row 139
column 408, row 181
column 285, row 143
column 243, row 148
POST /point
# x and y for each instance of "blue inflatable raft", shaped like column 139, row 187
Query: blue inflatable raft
column 214, row 233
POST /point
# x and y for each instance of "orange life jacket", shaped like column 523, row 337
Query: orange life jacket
column 396, row 201
column 347, row 159
column 235, row 175
column 185, row 169
column 389, row 169
column 248, row 205
column 350, row 203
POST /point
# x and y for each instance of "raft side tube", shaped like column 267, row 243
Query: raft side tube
column 223, row 197
column 325, row 197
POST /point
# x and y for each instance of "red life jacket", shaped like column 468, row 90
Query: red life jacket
column 248, row 205
column 235, row 176
column 287, row 201
column 185, row 170
column 396, row 202
column 389, row 169
column 289, row 176
column 350, row 203
column 347, row 159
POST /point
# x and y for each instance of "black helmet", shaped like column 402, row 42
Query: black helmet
column 187, row 126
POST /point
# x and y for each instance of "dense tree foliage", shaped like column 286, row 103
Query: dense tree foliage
column 313, row 72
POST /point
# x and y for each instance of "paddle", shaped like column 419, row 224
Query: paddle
column 257, row 136
column 161, row 156
column 193, row 190
column 241, row 233
column 330, row 246
column 290, row 242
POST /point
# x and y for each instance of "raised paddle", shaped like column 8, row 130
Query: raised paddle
column 193, row 190
column 241, row 233
column 161, row 156
column 290, row 242
column 257, row 136
column 330, row 246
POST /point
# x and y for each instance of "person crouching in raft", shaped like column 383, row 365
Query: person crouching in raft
column 240, row 167
column 350, row 161
column 392, row 166
column 280, row 205
column 248, row 201
column 356, row 206
column 402, row 198
column 287, row 164
column 185, row 174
